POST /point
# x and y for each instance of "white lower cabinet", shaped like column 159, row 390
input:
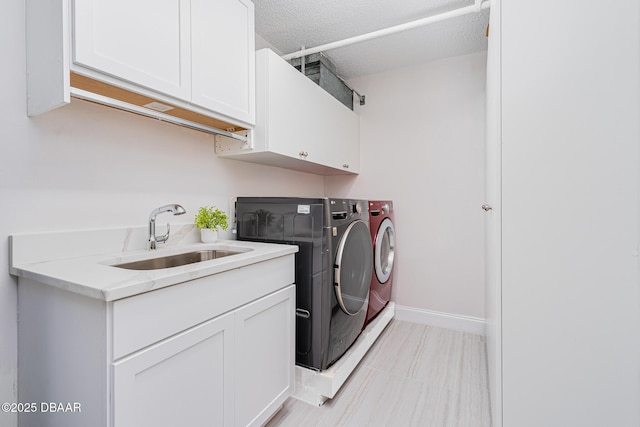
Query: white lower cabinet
column 213, row 351
column 183, row 380
column 265, row 359
column 234, row 370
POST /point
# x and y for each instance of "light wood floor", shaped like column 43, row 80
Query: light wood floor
column 414, row 375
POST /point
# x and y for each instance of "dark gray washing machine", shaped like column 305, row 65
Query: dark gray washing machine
column 333, row 266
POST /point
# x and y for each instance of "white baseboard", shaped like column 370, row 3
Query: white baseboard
column 472, row 325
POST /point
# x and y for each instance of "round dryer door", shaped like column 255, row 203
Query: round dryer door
column 353, row 268
column 385, row 250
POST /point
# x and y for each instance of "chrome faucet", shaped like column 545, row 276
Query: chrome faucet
column 153, row 239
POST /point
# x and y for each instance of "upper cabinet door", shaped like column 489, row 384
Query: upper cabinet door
column 145, row 41
column 299, row 125
column 223, row 57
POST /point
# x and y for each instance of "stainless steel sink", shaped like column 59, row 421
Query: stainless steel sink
column 175, row 260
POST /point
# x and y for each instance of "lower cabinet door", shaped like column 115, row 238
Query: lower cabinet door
column 265, row 337
column 185, row 380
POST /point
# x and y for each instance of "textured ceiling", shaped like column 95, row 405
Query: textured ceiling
column 290, row 24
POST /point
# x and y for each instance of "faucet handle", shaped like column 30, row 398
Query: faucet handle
column 165, row 237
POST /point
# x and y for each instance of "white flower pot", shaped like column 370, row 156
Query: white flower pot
column 208, row 236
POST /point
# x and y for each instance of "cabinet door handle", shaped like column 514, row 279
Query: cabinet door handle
column 345, row 165
column 303, row 154
column 486, row 207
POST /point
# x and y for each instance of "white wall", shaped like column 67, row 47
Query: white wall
column 422, row 145
column 261, row 43
column 88, row 166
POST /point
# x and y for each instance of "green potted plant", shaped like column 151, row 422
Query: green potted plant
column 209, row 219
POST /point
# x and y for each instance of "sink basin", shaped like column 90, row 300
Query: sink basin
column 176, row 260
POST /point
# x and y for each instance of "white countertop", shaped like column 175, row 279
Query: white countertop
column 94, row 276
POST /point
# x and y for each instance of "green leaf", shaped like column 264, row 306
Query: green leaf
column 212, row 218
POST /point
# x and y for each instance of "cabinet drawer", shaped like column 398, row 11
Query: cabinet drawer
column 144, row 319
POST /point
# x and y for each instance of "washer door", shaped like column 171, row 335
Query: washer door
column 385, row 250
column 353, row 268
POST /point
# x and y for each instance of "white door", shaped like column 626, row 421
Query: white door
column 146, row 42
column 492, row 215
column 223, row 57
column 570, row 211
column 185, row 380
column 265, row 342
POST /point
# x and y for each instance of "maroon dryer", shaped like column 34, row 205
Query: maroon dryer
column 384, row 245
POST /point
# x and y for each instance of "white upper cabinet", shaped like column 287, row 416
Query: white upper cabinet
column 299, row 125
column 147, row 42
column 222, row 57
column 186, row 61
